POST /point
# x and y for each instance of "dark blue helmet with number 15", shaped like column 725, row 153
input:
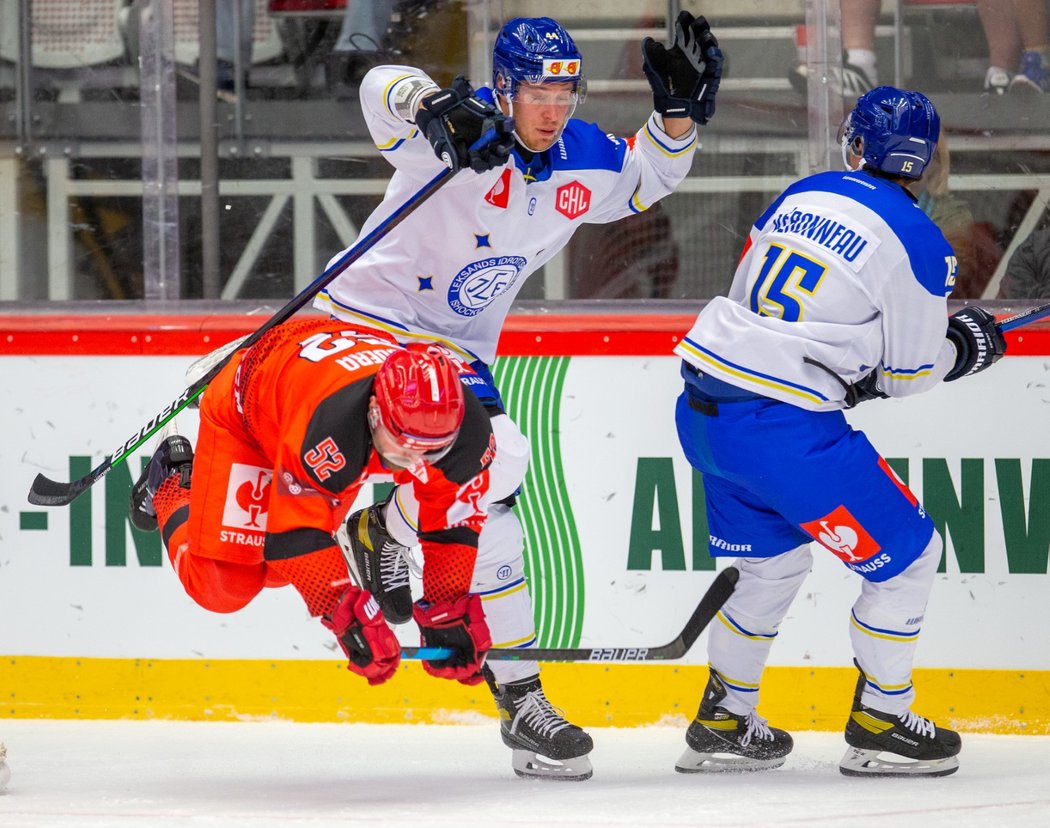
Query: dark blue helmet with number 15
column 894, row 130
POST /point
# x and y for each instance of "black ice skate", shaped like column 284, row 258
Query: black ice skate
column 174, row 455
column 379, row 562
column 545, row 745
column 722, row 741
column 884, row 744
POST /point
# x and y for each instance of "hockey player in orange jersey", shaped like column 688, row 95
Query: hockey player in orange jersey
column 289, row 431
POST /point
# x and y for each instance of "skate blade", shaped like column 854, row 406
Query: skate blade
column 860, row 762
column 529, row 765
column 693, row 761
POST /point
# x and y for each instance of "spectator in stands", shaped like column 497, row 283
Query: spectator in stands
column 360, row 43
column 1028, row 272
column 859, row 70
column 951, row 214
column 1018, row 36
column 233, row 18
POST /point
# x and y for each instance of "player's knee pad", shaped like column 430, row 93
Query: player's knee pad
column 767, row 586
column 746, row 626
column 512, row 459
column 501, row 548
column 900, row 601
column 499, row 578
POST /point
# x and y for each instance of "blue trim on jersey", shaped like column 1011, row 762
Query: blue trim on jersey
column 922, row 240
column 503, row 588
column 587, row 147
column 351, row 309
column 393, row 147
column 754, row 376
column 907, row 373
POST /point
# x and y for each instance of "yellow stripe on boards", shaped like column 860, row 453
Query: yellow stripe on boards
column 622, row 695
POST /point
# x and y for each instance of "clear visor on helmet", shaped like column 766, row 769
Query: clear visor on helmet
column 846, row 145
column 401, row 452
column 549, row 94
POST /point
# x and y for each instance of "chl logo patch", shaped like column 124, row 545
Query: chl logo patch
column 842, row 534
column 499, row 195
column 572, row 200
column 247, row 498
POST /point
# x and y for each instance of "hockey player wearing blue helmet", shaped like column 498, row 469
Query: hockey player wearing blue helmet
column 840, row 297
column 449, row 273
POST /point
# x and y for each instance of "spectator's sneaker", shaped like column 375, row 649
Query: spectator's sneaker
column 851, row 81
column 855, row 81
column 1033, row 76
column 996, row 80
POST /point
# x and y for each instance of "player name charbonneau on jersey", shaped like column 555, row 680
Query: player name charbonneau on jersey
column 828, row 231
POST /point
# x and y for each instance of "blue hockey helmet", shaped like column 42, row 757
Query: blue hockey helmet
column 535, row 50
column 894, row 130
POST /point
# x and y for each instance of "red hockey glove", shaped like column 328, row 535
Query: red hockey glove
column 459, row 625
column 370, row 645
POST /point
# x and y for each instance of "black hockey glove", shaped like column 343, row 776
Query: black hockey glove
column 685, row 77
column 464, row 130
column 977, row 339
column 864, row 389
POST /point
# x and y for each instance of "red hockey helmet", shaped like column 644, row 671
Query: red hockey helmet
column 419, row 400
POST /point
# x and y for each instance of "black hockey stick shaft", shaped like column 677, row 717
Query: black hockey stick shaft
column 1024, row 318
column 47, row 492
column 717, row 594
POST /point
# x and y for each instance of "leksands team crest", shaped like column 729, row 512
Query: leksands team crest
column 480, row 283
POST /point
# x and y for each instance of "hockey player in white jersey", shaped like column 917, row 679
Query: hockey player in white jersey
column 450, row 272
column 840, row 297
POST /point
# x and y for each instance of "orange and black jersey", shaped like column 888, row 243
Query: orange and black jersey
column 303, row 391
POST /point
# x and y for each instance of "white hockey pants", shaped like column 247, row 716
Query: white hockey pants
column 499, row 573
column 884, row 626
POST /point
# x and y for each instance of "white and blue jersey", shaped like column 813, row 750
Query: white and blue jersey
column 842, row 275
column 451, row 271
column 843, row 269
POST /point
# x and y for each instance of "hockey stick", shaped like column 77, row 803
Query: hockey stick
column 46, row 492
column 1024, row 318
column 717, row 594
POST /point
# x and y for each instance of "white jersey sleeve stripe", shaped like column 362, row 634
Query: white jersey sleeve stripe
column 389, row 90
column 395, row 142
column 765, row 381
column 670, row 152
column 907, row 373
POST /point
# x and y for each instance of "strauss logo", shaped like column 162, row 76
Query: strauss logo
column 841, row 539
column 253, row 496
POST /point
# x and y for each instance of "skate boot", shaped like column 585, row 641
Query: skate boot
column 379, row 563
column 545, row 745
column 884, row 744
column 174, row 455
column 718, row 740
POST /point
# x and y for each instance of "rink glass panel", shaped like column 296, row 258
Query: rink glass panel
column 101, row 169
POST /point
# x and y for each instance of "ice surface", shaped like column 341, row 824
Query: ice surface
column 164, row 774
